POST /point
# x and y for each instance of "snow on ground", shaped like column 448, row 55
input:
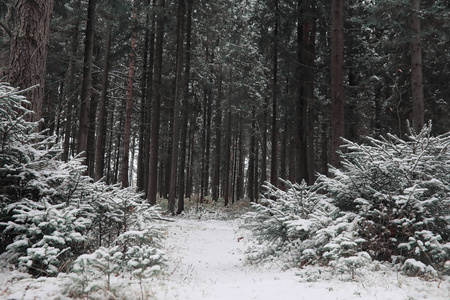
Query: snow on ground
column 207, row 260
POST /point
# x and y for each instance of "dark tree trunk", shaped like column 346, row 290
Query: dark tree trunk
column 416, row 69
column 218, row 147
column 176, row 110
column 263, row 134
column 141, row 166
column 274, row 156
column 72, row 89
column 184, row 119
column 251, row 161
column 86, row 89
column 29, row 49
column 150, row 95
column 227, row 160
column 90, row 149
column 102, row 112
column 337, row 78
column 128, row 109
column 153, row 175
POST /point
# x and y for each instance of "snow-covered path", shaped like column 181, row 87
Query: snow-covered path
column 207, row 261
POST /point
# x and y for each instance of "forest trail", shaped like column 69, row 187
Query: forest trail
column 207, row 260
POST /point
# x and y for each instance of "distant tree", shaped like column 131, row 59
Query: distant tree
column 86, row 89
column 154, row 146
column 416, row 68
column 337, row 78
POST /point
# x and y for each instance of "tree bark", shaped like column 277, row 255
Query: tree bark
column 274, row 158
column 337, row 79
column 128, row 108
column 29, row 49
column 218, row 148
column 153, row 161
column 71, row 89
column 87, row 79
column 416, row 68
column 184, row 119
column 176, row 110
column 102, row 113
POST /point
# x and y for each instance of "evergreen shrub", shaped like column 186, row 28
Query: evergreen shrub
column 50, row 213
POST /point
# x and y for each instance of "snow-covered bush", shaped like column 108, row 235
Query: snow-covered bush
column 50, row 213
column 400, row 189
column 390, row 199
column 302, row 222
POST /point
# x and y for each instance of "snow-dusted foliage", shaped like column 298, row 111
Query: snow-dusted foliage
column 304, row 223
column 50, row 213
column 390, row 201
column 400, row 189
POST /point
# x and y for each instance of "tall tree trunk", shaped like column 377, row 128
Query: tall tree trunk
column 141, row 166
column 29, row 49
column 416, row 68
column 302, row 102
column 176, row 110
column 102, row 112
column 274, row 158
column 337, row 78
column 218, row 148
column 150, row 96
column 227, row 160
column 128, row 108
column 153, row 176
column 263, row 133
column 251, row 161
column 240, row 172
column 87, row 79
column 71, row 86
column 90, row 149
column 184, row 119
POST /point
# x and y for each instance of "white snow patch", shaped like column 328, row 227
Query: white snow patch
column 207, row 260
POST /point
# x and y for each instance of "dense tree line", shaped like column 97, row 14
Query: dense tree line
column 209, row 99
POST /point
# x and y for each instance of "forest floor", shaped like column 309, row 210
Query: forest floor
column 207, row 259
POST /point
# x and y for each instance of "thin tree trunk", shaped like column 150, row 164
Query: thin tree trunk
column 240, row 173
column 251, row 161
column 141, row 166
column 102, row 112
column 176, row 111
column 228, row 145
column 71, row 92
column 274, row 158
column 128, row 108
column 416, row 68
column 218, row 148
column 263, row 134
column 337, row 79
column 152, row 182
column 184, row 119
column 86, row 89
column 90, row 149
column 150, row 95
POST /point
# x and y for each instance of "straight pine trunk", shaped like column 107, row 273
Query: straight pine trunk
column 86, row 88
column 416, row 69
column 128, row 108
column 102, row 112
column 337, row 79
column 153, row 160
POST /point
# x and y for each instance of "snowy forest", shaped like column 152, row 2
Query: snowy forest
column 318, row 130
